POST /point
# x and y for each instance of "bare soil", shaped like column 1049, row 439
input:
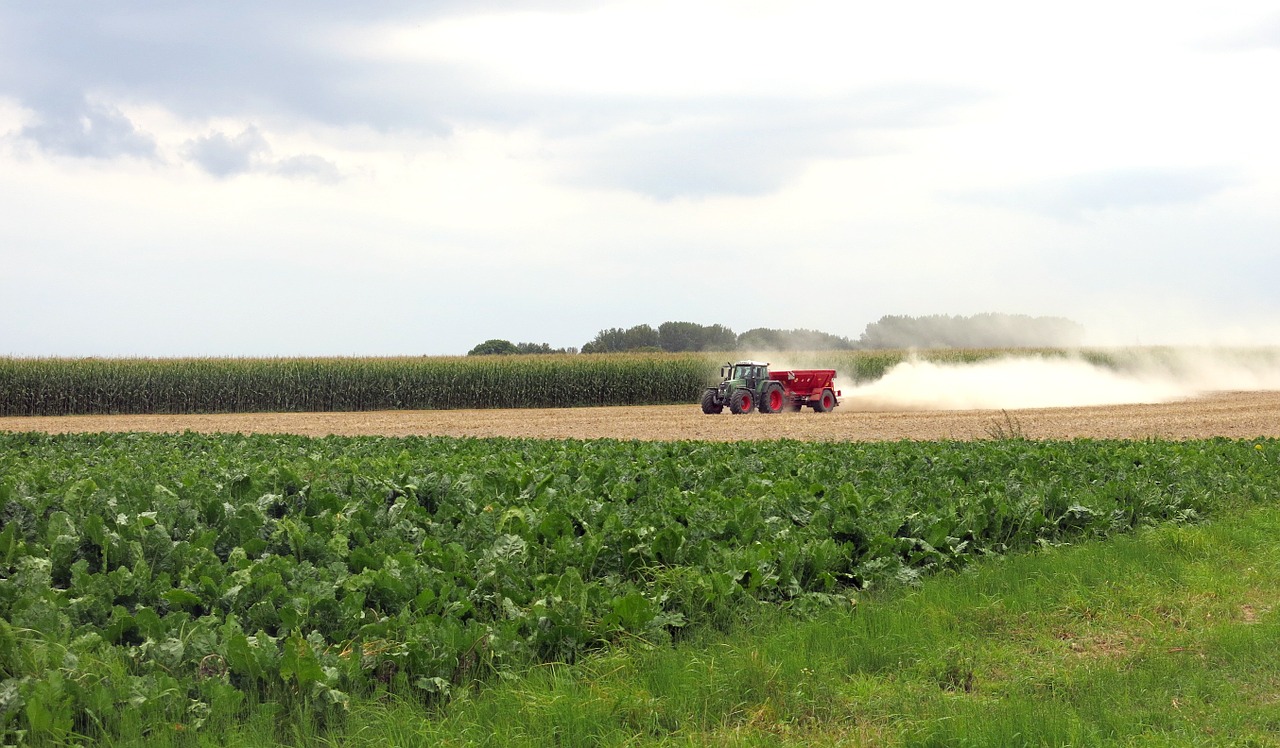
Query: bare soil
column 1236, row 415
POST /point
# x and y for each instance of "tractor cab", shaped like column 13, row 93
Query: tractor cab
column 748, row 374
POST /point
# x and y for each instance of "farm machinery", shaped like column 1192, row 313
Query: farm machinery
column 749, row 385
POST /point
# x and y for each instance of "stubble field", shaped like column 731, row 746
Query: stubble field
column 1235, row 415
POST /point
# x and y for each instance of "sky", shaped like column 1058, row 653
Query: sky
column 395, row 178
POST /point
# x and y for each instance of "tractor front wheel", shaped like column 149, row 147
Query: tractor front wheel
column 741, row 402
column 709, row 404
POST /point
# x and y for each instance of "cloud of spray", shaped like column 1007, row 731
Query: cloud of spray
column 1155, row 376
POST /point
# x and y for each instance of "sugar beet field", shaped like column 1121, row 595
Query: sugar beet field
column 169, row 583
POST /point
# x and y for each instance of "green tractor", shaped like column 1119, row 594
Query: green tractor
column 739, row 388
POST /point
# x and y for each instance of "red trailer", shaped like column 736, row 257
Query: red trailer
column 800, row 387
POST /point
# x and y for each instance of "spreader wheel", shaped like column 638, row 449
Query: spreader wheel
column 741, row 402
column 825, row 402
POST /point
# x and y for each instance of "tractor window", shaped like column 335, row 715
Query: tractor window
column 741, row 372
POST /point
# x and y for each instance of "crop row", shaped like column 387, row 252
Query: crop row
column 57, row 386
column 183, row 576
column 222, row 385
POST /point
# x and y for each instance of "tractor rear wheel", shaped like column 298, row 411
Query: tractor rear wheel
column 825, row 402
column 741, row 402
column 771, row 400
column 709, row 404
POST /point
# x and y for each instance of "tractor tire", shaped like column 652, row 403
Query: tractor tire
column 741, row 402
column 825, row 402
column 709, row 404
column 772, row 400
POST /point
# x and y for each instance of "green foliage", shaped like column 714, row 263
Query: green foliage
column 618, row 340
column 173, row 578
column 227, row 385
column 494, row 347
column 541, row 348
column 766, row 339
column 672, row 337
column 497, row 347
column 1163, row 638
column 678, row 337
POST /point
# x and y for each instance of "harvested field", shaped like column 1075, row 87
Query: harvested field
column 1237, row 415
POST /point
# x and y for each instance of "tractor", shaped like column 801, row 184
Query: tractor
column 749, row 385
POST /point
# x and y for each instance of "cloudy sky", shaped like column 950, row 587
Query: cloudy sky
column 246, row 178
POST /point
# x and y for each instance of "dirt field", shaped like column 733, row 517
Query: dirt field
column 1235, row 415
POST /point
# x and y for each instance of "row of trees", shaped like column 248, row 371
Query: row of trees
column 892, row 331
column 679, row 337
column 498, row 347
column 977, row 331
column 673, row 337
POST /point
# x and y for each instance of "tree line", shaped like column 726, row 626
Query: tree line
column 977, row 331
column 891, row 331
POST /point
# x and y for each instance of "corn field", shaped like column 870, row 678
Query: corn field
column 51, row 386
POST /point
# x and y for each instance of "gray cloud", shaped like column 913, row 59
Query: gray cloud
column 226, row 156
column 307, row 166
column 89, row 130
column 227, row 59
column 1074, row 198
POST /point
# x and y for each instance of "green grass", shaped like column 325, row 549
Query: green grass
column 1166, row 638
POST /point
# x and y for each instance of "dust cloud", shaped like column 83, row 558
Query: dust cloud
column 1157, row 376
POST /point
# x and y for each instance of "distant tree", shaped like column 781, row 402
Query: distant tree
column 615, row 340
column 611, row 340
column 537, row 348
column 641, row 336
column 979, row 331
column 767, row 339
column 494, row 347
column 677, row 337
column 506, row 347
